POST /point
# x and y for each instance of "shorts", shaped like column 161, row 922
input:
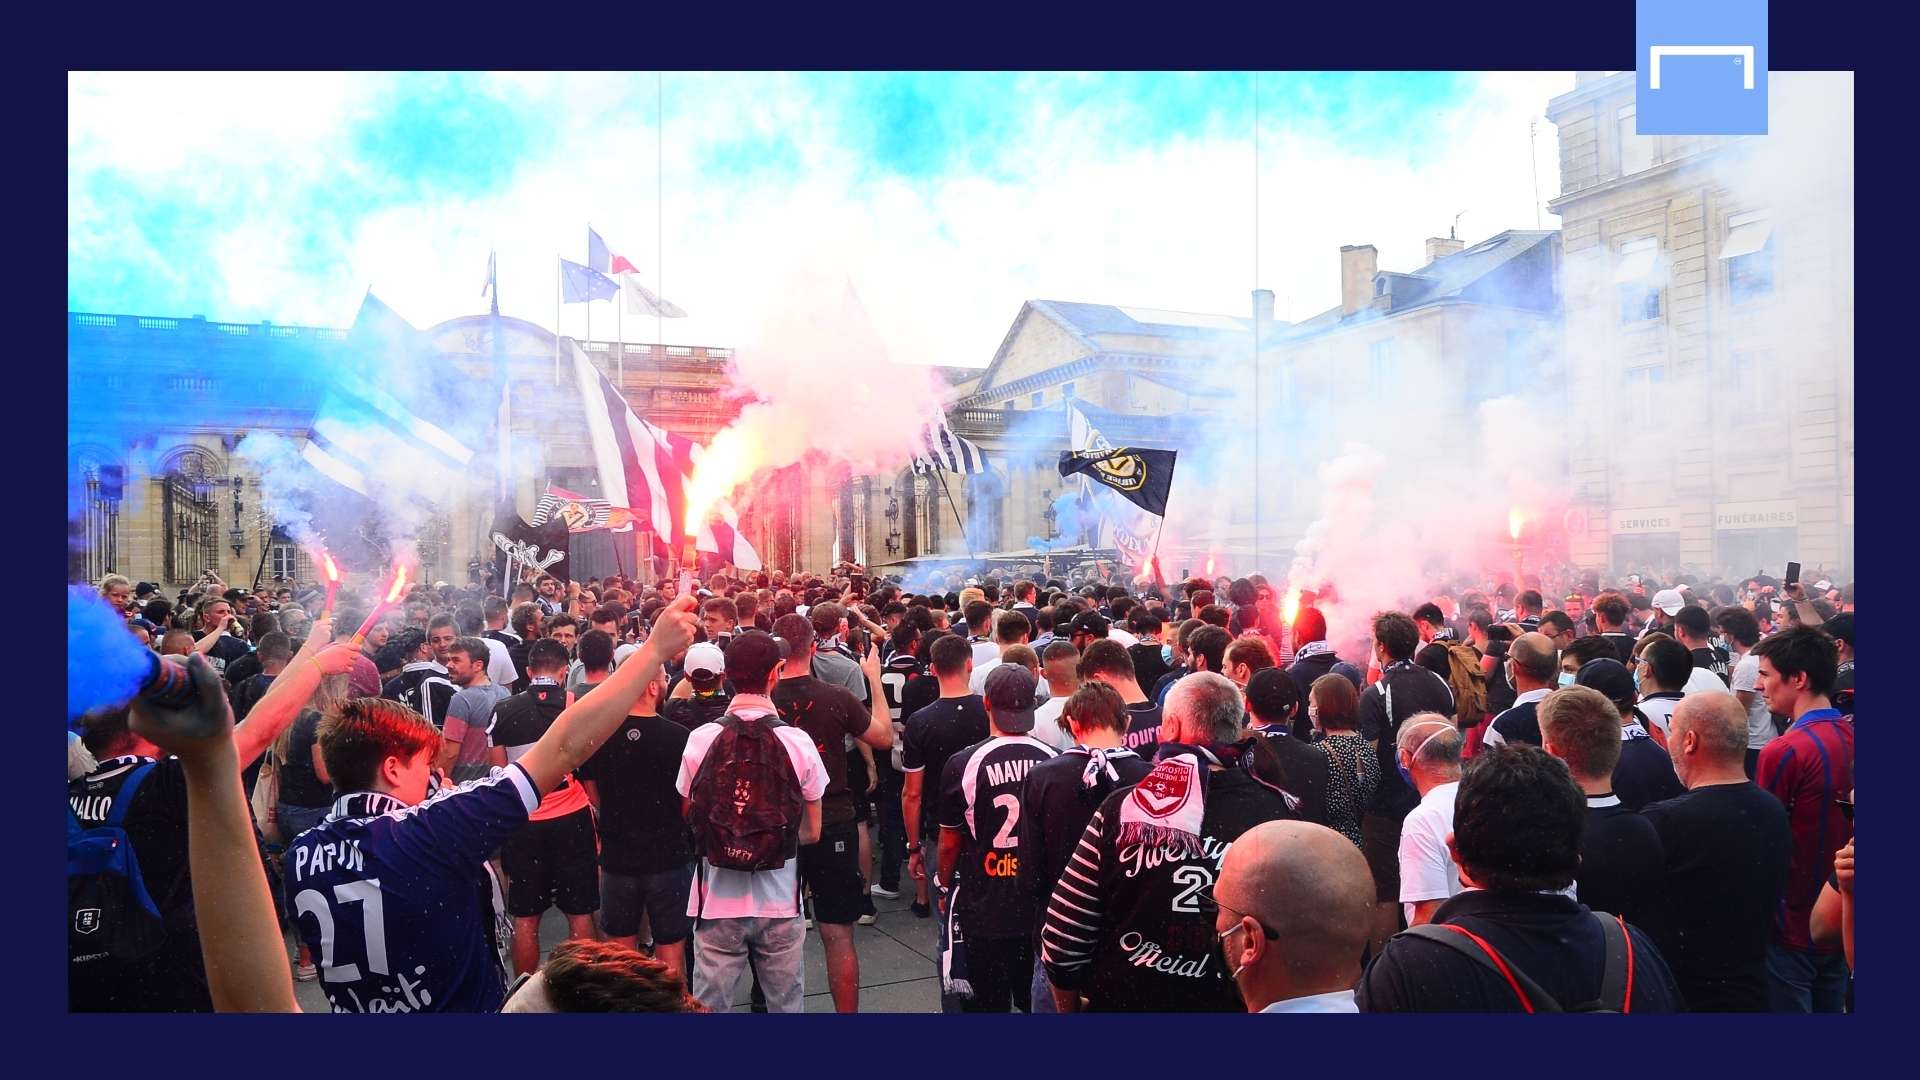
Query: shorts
column 857, row 786
column 831, row 868
column 661, row 896
column 553, row 863
column 1380, row 843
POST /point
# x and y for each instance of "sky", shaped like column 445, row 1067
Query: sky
column 945, row 199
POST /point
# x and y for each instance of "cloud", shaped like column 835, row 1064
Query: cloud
column 947, row 199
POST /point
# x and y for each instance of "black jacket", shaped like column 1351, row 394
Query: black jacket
column 1305, row 670
column 1552, row 938
column 1125, row 925
column 1405, row 688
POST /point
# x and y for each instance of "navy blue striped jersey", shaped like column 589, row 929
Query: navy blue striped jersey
column 396, row 902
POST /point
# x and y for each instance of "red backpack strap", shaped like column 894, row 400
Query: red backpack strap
column 1467, row 943
column 1616, row 979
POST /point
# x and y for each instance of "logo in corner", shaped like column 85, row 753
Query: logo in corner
column 1702, row 68
column 86, row 920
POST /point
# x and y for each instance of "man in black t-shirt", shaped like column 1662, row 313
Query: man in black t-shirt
column 1403, row 690
column 1610, row 613
column 646, row 849
column 1728, row 852
column 1149, row 657
column 1694, row 629
column 1644, row 773
column 902, row 670
column 953, row 722
column 991, row 917
column 700, row 697
column 1104, row 660
column 1062, row 793
column 1622, row 864
column 830, row 867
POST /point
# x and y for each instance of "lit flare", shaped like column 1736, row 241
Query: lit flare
column 394, row 590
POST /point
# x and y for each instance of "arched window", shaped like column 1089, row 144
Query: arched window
column 93, row 513
column 189, row 515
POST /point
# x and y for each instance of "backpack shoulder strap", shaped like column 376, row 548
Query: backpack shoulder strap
column 1616, row 980
column 122, row 799
column 1467, row 943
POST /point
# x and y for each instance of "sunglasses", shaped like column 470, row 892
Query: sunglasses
column 1211, row 907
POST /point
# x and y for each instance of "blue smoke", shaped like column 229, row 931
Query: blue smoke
column 105, row 663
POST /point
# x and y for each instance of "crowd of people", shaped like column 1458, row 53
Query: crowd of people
column 1108, row 796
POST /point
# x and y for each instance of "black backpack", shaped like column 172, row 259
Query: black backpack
column 1615, row 979
column 746, row 800
column 110, row 914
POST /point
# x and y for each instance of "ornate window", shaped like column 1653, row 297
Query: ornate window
column 190, row 517
column 93, row 524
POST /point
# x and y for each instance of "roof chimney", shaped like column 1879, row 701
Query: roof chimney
column 1358, row 264
column 1439, row 247
column 1263, row 307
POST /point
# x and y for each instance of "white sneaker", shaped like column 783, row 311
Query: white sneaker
column 865, row 920
column 305, row 972
column 886, row 893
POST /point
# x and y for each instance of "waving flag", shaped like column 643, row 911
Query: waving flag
column 579, row 284
column 942, row 449
column 642, row 301
column 602, row 258
column 641, row 467
column 582, row 513
column 721, row 536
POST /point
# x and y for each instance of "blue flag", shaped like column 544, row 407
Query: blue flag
column 579, row 284
column 599, row 256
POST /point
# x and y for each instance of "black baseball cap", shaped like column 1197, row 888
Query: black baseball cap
column 1610, row 677
column 1089, row 622
column 1010, row 695
column 1271, row 694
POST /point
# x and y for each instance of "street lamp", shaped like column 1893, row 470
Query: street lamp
column 236, row 536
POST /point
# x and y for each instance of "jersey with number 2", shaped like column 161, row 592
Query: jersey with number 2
column 395, row 902
column 980, row 796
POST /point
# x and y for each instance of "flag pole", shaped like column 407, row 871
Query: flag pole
column 620, row 331
column 942, row 474
column 556, row 321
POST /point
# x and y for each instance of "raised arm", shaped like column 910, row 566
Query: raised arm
column 586, row 723
column 291, row 690
column 879, row 733
column 246, row 963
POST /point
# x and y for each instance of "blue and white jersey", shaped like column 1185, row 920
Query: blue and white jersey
column 395, row 901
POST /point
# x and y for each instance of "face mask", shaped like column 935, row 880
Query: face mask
column 1636, row 680
column 1566, row 678
column 1226, row 953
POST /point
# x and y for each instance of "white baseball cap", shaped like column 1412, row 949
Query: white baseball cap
column 705, row 658
column 1822, row 585
column 1669, row 601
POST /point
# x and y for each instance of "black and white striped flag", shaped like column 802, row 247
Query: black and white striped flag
column 942, row 449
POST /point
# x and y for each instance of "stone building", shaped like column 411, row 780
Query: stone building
column 1709, row 325
column 159, row 407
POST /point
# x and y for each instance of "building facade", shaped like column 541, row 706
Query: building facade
column 1709, row 327
column 160, row 407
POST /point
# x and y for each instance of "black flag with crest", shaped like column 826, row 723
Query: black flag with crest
column 532, row 546
column 1143, row 476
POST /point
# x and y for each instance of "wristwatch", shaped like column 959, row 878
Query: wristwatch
column 913, row 848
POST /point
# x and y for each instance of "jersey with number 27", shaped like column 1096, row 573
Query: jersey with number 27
column 980, row 796
column 395, row 901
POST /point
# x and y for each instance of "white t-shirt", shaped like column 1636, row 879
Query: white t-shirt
column 1426, row 868
column 738, row 894
column 1702, row 681
column 984, row 653
column 1746, row 676
column 500, row 669
column 1114, row 633
column 978, row 681
column 1048, row 726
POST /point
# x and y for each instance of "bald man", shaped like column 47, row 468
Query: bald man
column 1292, row 909
column 1533, row 669
column 1728, row 849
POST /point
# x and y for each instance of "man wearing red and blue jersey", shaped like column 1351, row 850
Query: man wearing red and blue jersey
column 1810, row 770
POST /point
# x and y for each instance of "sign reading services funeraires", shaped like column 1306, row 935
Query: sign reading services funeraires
column 1701, row 66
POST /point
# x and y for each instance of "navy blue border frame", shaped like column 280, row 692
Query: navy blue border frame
column 1378, row 35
